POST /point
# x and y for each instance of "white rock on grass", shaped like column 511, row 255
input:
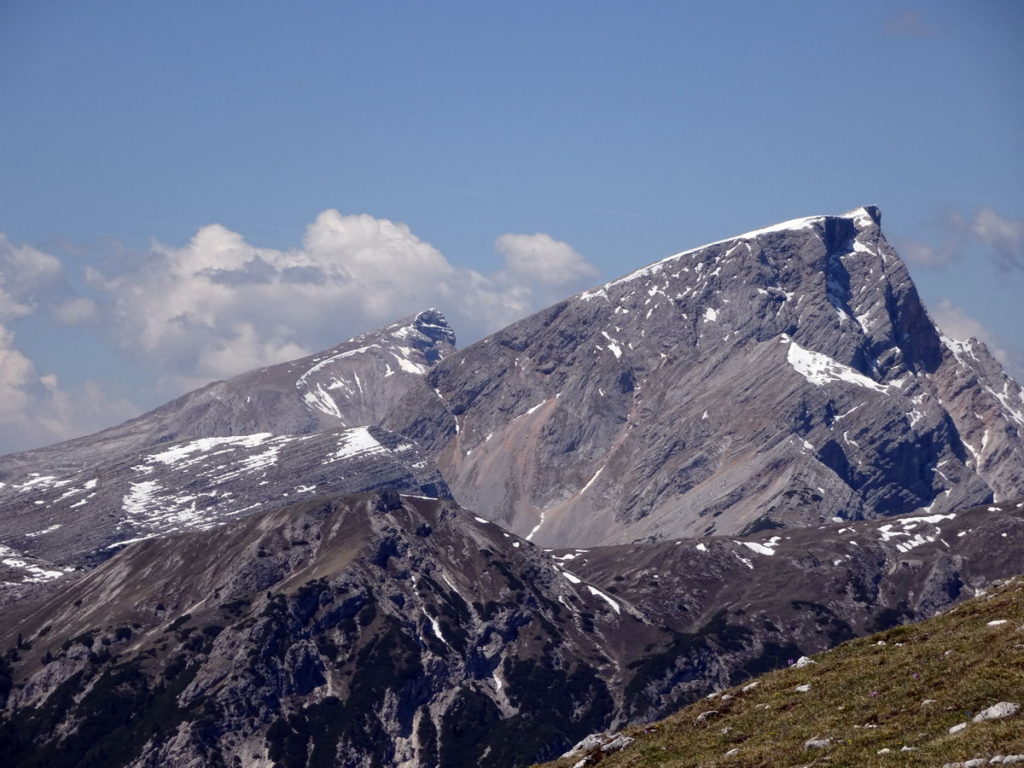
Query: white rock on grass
column 997, row 711
column 958, row 727
column 803, row 688
column 733, row 751
column 603, row 741
column 619, row 742
column 817, row 743
column 979, row 761
column 803, row 661
column 586, row 744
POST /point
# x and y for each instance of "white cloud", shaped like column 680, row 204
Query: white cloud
column 220, row 305
column 1004, row 236
column 17, row 377
column 27, row 264
column 36, row 411
column 986, row 232
column 957, row 324
column 931, row 256
column 10, row 307
column 542, row 258
column 243, row 350
column 25, row 272
column 76, row 310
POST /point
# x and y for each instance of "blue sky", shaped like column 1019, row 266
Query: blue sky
column 488, row 158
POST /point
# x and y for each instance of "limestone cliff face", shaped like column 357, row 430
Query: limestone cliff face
column 782, row 377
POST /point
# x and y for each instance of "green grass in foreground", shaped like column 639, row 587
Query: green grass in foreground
column 866, row 695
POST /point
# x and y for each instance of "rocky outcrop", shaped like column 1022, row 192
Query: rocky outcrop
column 381, row 630
column 780, row 378
column 232, row 448
column 354, row 384
column 81, row 519
column 351, row 631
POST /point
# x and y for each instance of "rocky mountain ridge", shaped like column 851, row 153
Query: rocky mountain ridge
column 945, row 692
column 354, row 384
column 79, row 520
column 746, row 452
column 782, row 377
column 231, row 448
column 386, row 630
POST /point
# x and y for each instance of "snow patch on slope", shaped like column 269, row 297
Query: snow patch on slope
column 357, row 442
column 821, row 369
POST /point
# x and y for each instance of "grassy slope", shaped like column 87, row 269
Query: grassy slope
column 866, row 697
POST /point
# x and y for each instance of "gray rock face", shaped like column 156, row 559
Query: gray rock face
column 392, row 630
column 360, row 630
column 758, row 388
column 232, row 448
column 817, row 585
column 352, row 385
column 782, row 377
column 79, row 519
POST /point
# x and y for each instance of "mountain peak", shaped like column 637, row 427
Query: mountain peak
column 434, row 325
column 873, row 212
column 835, row 229
column 665, row 402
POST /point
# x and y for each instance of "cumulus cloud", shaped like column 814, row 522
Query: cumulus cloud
column 75, row 311
column 35, row 410
column 925, row 254
column 26, row 274
column 220, row 305
column 1004, row 236
column 17, row 377
column 542, row 258
column 957, row 324
column 985, row 232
